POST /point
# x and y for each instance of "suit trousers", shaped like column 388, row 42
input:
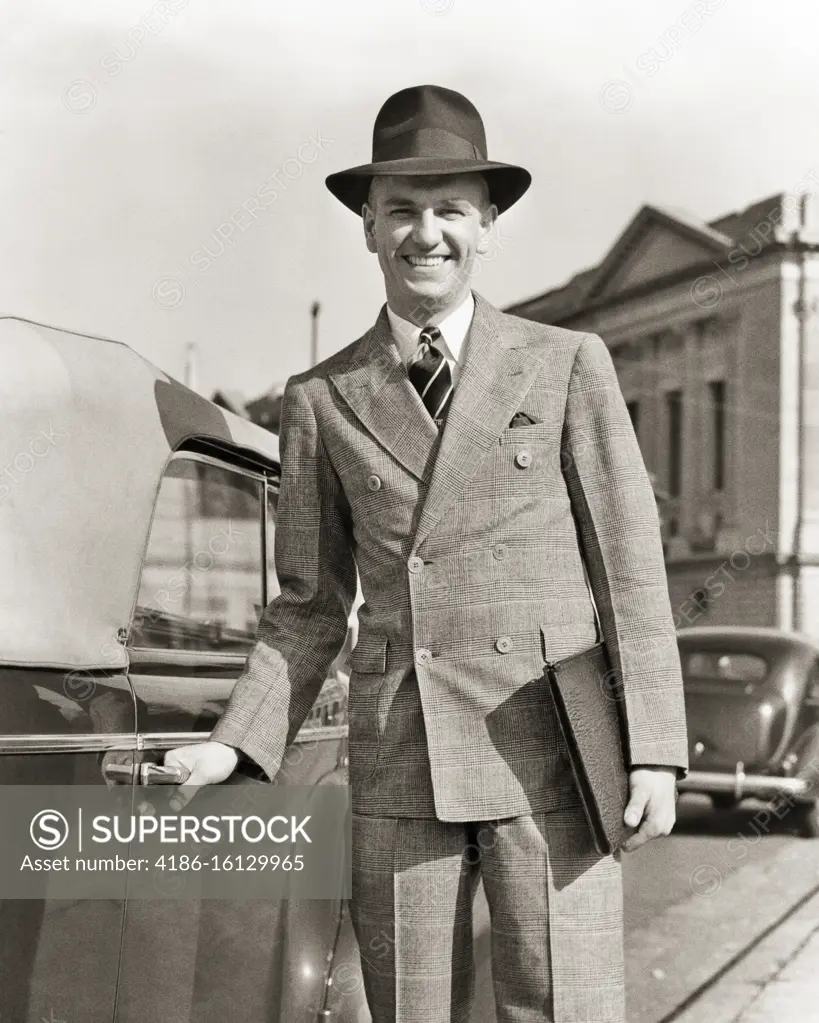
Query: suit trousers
column 555, row 904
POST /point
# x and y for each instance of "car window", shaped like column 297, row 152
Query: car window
column 201, row 584
column 724, row 665
column 273, row 588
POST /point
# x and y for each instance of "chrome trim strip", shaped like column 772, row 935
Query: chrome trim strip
column 168, row 740
column 167, row 655
column 90, row 743
column 93, row 743
column 197, row 456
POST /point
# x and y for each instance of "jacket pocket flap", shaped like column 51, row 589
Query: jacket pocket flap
column 369, row 654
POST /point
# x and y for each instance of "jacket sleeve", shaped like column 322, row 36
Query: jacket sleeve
column 618, row 529
column 302, row 630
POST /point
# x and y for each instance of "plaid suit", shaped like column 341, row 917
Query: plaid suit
column 470, row 549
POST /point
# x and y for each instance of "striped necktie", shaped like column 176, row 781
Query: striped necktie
column 431, row 376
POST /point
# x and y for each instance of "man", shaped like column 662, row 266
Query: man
column 468, row 463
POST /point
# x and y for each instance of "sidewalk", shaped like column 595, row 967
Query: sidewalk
column 732, row 907
column 777, row 982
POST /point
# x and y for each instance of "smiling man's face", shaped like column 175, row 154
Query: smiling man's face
column 428, row 233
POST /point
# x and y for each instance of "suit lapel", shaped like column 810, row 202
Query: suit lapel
column 376, row 387
column 499, row 369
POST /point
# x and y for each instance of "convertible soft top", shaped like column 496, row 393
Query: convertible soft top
column 88, row 426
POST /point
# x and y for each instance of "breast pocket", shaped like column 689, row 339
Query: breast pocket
column 526, row 453
column 535, row 433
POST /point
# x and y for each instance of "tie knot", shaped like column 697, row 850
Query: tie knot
column 429, row 335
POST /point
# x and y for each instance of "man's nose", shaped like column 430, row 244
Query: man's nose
column 426, row 230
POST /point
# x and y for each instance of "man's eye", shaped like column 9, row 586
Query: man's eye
column 451, row 211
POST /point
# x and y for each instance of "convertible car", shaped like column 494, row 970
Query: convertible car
column 752, row 702
column 136, row 553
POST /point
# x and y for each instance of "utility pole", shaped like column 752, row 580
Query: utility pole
column 798, row 248
column 315, row 309
column 191, row 375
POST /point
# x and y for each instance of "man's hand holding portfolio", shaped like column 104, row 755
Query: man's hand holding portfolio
column 652, row 804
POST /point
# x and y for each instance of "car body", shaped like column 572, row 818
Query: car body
column 752, row 703
column 136, row 553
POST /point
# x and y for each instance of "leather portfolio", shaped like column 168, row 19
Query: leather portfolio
column 588, row 703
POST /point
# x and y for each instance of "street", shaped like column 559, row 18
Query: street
column 693, row 901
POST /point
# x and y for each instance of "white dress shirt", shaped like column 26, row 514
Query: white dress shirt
column 453, row 328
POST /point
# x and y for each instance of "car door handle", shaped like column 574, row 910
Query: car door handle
column 145, row 774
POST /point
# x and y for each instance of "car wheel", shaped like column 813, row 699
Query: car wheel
column 806, row 819
column 723, row 801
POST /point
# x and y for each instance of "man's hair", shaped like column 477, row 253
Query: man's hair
column 371, row 192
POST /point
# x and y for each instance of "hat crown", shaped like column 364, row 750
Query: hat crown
column 429, row 131
column 428, row 120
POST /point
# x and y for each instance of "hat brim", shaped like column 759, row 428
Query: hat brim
column 507, row 183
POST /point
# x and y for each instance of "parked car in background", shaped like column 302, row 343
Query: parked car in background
column 136, row 553
column 752, row 701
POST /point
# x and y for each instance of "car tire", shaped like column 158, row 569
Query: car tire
column 723, row 801
column 806, row 819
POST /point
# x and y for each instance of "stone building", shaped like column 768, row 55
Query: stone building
column 713, row 331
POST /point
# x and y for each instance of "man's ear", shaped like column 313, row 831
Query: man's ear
column 368, row 222
column 488, row 218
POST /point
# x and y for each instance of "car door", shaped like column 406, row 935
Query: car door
column 206, row 576
column 59, row 957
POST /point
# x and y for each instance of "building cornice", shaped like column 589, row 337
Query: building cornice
column 688, row 274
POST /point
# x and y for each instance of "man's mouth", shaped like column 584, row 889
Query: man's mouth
column 426, row 260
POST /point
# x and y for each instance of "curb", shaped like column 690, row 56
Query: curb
column 755, row 988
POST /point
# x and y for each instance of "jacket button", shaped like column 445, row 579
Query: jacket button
column 423, row 656
column 374, row 482
column 523, row 459
column 415, row 564
column 499, row 551
column 503, row 644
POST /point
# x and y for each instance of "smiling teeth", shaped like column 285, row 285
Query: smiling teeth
column 426, row 260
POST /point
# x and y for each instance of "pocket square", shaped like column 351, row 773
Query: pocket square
column 523, row 419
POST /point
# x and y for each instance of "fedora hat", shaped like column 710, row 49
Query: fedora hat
column 428, row 130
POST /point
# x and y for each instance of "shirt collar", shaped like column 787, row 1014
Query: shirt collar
column 453, row 327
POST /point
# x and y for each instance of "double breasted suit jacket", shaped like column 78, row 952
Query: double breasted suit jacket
column 470, row 547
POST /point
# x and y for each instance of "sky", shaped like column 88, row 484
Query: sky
column 134, row 138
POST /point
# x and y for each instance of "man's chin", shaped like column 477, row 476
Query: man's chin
column 440, row 292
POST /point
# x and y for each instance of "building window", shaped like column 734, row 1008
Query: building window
column 634, row 412
column 717, row 391
column 674, row 406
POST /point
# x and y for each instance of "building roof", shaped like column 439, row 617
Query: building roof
column 231, row 399
column 88, row 426
column 266, row 410
column 670, row 243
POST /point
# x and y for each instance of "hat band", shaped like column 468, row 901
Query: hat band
column 426, row 142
